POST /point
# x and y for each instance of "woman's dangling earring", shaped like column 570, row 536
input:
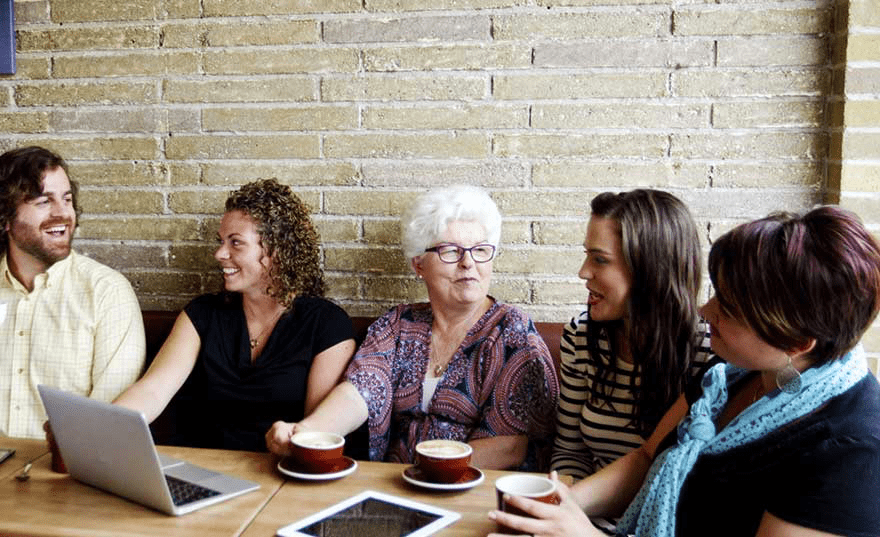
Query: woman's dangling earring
column 788, row 379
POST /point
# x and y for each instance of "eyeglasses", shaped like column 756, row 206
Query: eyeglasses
column 453, row 253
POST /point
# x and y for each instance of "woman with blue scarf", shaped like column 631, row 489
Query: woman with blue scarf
column 783, row 437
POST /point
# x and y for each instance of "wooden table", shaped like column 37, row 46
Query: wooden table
column 26, row 450
column 55, row 505
column 51, row 504
column 299, row 499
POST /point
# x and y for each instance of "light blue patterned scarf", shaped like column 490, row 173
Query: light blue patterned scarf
column 652, row 512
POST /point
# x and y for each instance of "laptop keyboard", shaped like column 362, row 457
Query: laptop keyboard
column 184, row 492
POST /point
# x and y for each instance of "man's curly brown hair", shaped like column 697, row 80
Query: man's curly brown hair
column 287, row 234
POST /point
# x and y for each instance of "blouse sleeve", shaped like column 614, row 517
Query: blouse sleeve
column 571, row 455
column 371, row 372
column 333, row 327
column 523, row 398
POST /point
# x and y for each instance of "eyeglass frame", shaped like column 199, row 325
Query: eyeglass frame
column 462, row 250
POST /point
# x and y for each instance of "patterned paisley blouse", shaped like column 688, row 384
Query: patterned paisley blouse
column 501, row 381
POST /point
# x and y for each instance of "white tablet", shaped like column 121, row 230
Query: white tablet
column 373, row 514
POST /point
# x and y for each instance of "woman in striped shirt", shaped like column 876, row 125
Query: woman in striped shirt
column 627, row 358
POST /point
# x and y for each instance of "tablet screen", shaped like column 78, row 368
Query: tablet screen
column 373, row 514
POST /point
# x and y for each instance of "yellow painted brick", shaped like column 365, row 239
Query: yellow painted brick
column 249, row 62
column 342, row 288
column 515, row 232
column 620, row 115
column 170, row 282
column 382, row 231
column 466, row 145
column 750, row 82
column 121, row 201
column 717, row 20
column 286, row 89
column 510, row 290
column 860, row 177
column 861, row 113
column 541, row 203
column 293, row 174
column 236, row 147
column 80, row 93
column 128, row 64
column 191, row 34
column 726, row 115
column 139, row 120
column 864, row 13
column 262, row 33
column 420, row 5
column 229, row 8
column 781, row 145
column 373, row 261
column 373, row 203
column 280, row 119
column 383, row 88
column 748, row 175
column 31, row 12
column 63, row 38
column 456, row 116
column 747, row 51
column 580, row 145
column 23, row 122
column 457, row 57
column 337, row 229
column 137, row 228
column 647, row 23
column 568, row 233
column 123, row 255
column 198, row 202
column 105, row 10
column 193, row 256
column 485, row 173
column 112, row 174
column 182, row 9
column 532, row 261
column 71, row 149
column 863, row 80
column 31, row 68
column 428, row 27
column 406, row 289
column 861, row 145
column 626, row 53
column 184, row 173
column 560, row 292
column 867, row 207
column 679, row 173
column 569, row 86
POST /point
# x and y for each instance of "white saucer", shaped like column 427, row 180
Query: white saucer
column 472, row 478
column 288, row 466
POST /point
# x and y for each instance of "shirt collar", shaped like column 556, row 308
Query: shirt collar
column 42, row 280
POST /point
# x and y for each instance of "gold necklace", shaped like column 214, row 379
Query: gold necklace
column 254, row 341
column 440, row 368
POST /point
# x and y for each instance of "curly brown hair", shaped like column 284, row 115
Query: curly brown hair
column 288, row 235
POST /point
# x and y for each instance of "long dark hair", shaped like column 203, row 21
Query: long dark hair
column 661, row 248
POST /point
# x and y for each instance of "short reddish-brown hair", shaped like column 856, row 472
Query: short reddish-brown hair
column 793, row 278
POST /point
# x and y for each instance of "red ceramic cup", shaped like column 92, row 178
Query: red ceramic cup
column 443, row 461
column 318, row 452
column 535, row 487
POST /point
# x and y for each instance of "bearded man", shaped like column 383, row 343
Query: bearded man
column 65, row 320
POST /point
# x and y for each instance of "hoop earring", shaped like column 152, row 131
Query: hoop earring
column 788, row 379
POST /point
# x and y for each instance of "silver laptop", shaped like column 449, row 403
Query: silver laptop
column 111, row 448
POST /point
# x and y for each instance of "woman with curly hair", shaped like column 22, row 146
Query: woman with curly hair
column 267, row 348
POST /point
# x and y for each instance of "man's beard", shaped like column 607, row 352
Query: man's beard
column 32, row 242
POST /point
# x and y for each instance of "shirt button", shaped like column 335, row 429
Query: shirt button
column 20, row 371
column 21, row 332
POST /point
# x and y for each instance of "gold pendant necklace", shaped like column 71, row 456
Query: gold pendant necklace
column 254, row 341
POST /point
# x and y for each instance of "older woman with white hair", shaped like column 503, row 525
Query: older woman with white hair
column 462, row 366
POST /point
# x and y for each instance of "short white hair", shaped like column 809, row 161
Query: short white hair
column 423, row 223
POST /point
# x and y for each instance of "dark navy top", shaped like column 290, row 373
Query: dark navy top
column 821, row 471
column 227, row 401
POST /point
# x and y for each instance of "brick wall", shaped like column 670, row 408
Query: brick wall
column 163, row 107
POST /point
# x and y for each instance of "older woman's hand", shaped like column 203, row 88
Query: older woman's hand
column 565, row 519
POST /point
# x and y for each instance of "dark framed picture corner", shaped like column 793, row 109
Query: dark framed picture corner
column 7, row 37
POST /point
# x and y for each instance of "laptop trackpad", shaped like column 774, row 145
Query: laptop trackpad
column 191, row 473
